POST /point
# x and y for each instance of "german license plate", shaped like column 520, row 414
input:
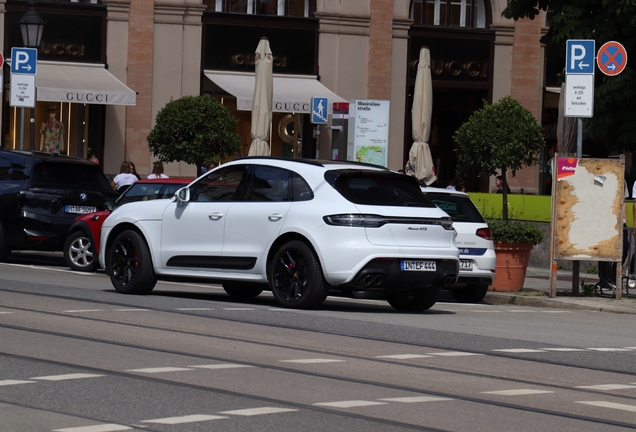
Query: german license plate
column 418, row 265
column 80, row 209
column 465, row 265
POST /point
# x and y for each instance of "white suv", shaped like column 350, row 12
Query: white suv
column 475, row 243
column 297, row 227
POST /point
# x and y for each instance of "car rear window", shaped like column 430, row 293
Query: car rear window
column 459, row 208
column 380, row 188
column 71, row 175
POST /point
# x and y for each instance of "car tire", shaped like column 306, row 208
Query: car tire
column 4, row 250
column 242, row 290
column 130, row 264
column 79, row 253
column 469, row 293
column 414, row 301
column 296, row 278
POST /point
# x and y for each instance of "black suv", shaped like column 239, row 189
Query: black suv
column 41, row 194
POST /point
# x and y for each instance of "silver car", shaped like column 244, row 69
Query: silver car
column 474, row 241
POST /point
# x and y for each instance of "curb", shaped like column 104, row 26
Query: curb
column 577, row 304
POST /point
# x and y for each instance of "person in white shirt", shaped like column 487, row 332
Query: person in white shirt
column 124, row 179
column 157, row 171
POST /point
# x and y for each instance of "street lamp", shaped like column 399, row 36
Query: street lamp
column 31, row 26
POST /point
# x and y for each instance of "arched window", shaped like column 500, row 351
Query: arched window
column 449, row 13
column 292, row 8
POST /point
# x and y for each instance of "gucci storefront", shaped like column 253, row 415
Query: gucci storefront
column 73, row 84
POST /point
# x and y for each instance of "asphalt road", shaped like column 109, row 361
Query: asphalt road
column 77, row 356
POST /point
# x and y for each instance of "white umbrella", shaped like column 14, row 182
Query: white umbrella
column 420, row 163
column 262, row 100
column 566, row 128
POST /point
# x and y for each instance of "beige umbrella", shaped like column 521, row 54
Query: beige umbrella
column 262, row 100
column 566, row 128
column 420, row 163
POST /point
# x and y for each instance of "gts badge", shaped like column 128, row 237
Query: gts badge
column 416, row 229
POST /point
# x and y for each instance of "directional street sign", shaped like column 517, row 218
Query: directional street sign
column 319, row 107
column 612, row 58
column 24, row 61
column 579, row 56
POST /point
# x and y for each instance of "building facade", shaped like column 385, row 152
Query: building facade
column 363, row 49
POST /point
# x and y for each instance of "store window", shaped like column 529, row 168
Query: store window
column 449, row 13
column 291, row 8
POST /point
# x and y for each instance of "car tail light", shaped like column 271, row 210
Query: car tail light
column 355, row 220
column 484, row 233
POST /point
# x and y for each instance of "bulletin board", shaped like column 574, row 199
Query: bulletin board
column 588, row 209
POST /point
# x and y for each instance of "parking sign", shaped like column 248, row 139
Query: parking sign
column 579, row 56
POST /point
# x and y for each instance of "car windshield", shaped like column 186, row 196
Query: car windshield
column 72, row 175
column 459, row 208
column 147, row 192
column 379, row 188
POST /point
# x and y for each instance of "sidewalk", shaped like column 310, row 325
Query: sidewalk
column 537, row 284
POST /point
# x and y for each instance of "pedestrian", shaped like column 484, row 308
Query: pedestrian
column 457, row 183
column 499, row 184
column 124, row 179
column 157, row 171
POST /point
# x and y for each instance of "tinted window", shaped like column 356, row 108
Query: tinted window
column 5, row 166
column 300, row 188
column 268, row 183
column 69, row 175
column 148, row 191
column 459, row 208
column 219, row 185
column 381, row 188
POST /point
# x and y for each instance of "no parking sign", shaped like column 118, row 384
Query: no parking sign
column 611, row 58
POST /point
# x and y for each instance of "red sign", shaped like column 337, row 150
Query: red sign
column 1, row 59
column 611, row 58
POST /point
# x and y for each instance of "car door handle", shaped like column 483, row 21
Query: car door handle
column 275, row 217
column 215, row 216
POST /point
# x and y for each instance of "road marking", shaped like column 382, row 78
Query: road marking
column 416, row 399
column 194, row 309
column 349, row 404
column 609, row 349
column 556, row 311
column 221, row 366
column 96, row 428
column 454, row 354
column 613, row 405
column 5, row 313
column 159, row 370
column 607, row 387
column 83, row 310
column 519, row 350
column 131, row 310
column 14, row 382
column 239, row 309
column 520, row 310
column 563, row 349
column 485, row 311
column 258, row 411
column 307, row 361
column 66, row 377
column 404, row 356
column 184, row 419
column 517, row 392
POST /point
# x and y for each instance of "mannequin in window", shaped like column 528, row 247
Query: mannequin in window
column 52, row 132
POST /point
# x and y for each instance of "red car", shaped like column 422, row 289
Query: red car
column 82, row 245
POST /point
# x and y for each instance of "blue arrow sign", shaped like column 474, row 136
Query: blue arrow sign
column 579, row 56
column 319, row 107
column 24, row 61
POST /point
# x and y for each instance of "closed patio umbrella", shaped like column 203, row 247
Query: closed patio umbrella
column 262, row 100
column 420, row 163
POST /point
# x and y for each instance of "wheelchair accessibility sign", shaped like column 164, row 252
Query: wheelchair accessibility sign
column 319, row 107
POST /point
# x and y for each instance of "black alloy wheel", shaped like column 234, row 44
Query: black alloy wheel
column 296, row 277
column 130, row 264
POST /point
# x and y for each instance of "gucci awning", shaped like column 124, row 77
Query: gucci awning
column 292, row 93
column 81, row 83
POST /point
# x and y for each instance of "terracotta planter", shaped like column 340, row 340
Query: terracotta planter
column 512, row 263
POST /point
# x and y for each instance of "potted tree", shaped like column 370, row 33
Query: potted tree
column 498, row 138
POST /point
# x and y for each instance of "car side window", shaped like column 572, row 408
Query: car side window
column 5, row 167
column 268, row 184
column 301, row 190
column 219, row 185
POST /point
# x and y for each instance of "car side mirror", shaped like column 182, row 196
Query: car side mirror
column 110, row 205
column 183, row 195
